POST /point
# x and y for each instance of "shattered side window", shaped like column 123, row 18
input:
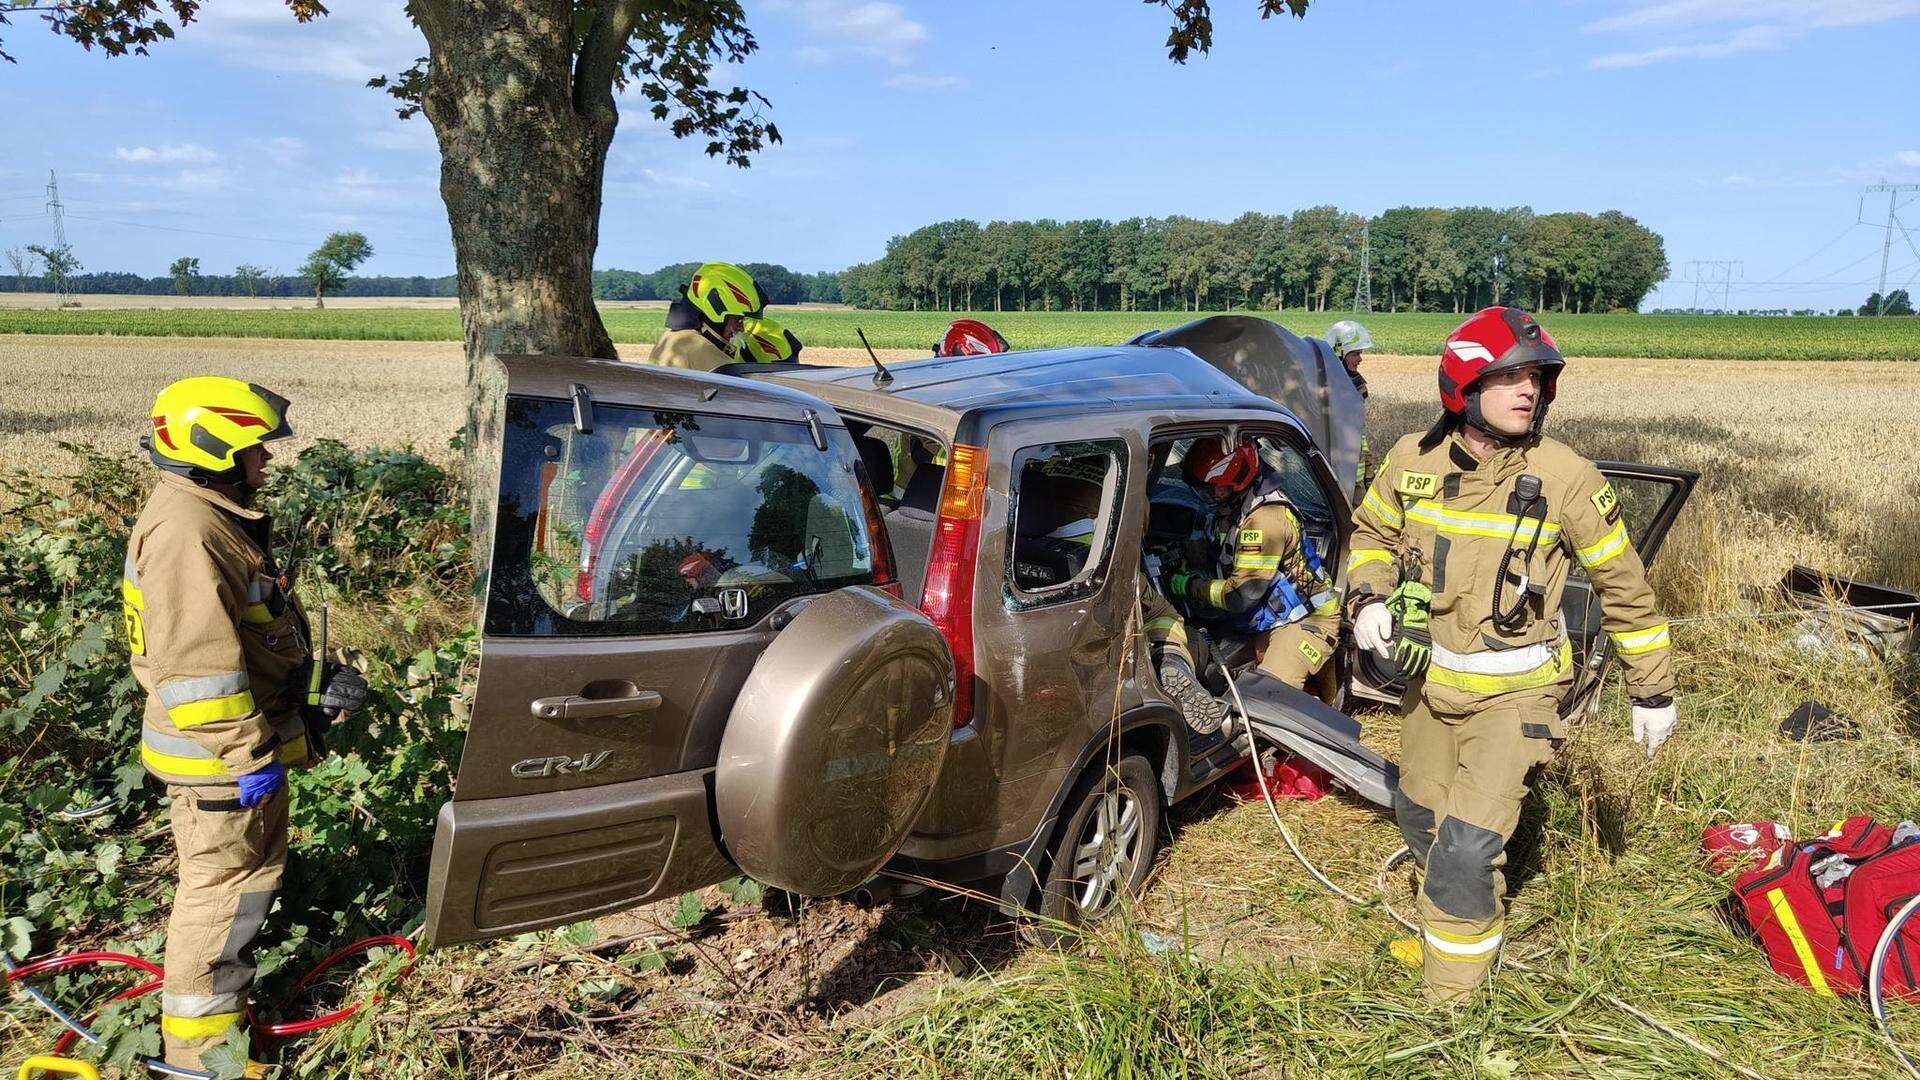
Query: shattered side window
column 1063, row 496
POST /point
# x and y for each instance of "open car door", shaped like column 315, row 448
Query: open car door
column 1301, row 374
column 1651, row 497
column 691, row 664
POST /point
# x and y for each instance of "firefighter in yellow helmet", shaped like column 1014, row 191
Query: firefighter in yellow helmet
column 764, row 341
column 705, row 323
column 235, row 695
column 1460, row 552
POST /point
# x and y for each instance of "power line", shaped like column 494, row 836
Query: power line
column 1851, row 225
column 1893, row 222
column 1363, row 286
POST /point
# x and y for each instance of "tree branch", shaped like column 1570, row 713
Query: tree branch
column 602, row 55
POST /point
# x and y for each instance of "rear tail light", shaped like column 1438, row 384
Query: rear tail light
column 948, row 597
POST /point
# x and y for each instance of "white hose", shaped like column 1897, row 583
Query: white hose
column 1876, row 994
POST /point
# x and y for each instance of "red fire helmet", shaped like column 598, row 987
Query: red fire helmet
column 1209, row 463
column 1496, row 339
column 969, row 337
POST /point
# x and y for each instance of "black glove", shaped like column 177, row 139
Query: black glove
column 329, row 691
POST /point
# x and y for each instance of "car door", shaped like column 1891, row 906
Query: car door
column 654, row 535
column 1651, row 497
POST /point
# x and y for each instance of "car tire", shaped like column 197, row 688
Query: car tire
column 1104, row 849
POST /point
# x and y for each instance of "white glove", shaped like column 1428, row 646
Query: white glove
column 1373, row 629
column 1651, row 725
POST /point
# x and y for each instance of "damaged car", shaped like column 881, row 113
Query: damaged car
column 818, row 624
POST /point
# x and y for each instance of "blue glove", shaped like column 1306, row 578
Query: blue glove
column 260, row 785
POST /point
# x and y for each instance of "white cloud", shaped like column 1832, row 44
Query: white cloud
column 282, row 150
column 353, row 43
column 869, row 28
column 198, row 181
column 392, row 134
column 926, row 83
column 1686, row 29
column 177, row 154
column 1908, row 157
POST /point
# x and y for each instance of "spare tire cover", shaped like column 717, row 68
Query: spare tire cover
column 834, row 743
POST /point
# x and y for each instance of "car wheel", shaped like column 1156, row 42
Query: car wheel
column 1105, row 849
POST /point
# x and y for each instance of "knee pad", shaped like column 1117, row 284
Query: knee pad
column 1416, row 824
column 1460, row 870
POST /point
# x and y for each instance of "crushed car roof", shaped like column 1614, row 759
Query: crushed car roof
column 1096, row 375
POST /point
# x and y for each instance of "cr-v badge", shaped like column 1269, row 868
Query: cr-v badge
column 541, row 768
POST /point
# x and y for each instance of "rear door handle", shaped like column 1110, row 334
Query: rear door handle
column 575, row 707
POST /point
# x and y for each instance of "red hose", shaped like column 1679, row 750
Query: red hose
column 285, row 1030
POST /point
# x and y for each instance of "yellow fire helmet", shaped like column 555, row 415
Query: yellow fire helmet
column 721, row 289
column 201, row 423
column 764, row 341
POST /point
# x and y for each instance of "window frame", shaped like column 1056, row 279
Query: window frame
column 1105, row 529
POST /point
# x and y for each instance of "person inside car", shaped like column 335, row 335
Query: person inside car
column 1266, row 580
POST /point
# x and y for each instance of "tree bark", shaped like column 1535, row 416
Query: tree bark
column 523, row 148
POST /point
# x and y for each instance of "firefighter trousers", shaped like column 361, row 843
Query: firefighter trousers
column 1293, row 653
column 231, row 861
column 1462, row 780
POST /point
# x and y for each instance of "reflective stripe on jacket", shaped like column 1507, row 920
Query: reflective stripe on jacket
column 1448, row 520
column 1264, row 542
column 214, row 641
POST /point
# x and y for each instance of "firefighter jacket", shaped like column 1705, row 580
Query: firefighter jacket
column 690, row 349
column 1449, row 521
column 1262, row 542
column 215, row 642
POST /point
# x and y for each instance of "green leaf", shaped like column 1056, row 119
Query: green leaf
column 1499, row 1064
column 580, row 933
column 106, row 859
column 688, row 911
column 16, row 937
column 228, row 1060
column 743, row 890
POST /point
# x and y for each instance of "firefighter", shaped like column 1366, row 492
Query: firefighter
column 704, row 324
column 1460, row 550
column 1267, row 580
column 764, row 341
column 235, row 695
column 1350, row 343
column 969, row 337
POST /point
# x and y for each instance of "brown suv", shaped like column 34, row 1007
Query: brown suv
column 806, row 623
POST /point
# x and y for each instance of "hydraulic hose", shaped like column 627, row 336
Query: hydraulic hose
column 1876, row 972
column 19, row 973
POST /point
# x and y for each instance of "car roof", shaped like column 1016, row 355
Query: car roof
column 1069, row 379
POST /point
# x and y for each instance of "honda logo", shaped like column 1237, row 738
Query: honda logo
column 733, row 602
column 542, row 768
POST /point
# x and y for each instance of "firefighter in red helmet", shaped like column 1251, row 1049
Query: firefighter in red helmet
column 969, row 337
column 1460, row 550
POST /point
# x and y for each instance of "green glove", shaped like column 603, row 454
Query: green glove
column 1412, row 651
column 1411, row 604
column 1177, row 584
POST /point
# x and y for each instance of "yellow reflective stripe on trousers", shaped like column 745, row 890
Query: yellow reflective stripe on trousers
column 1602, row 551
column 1388, row 515
column 1783, row 911
column 198, row 1027
column 1634, row 642
column 1488, row 684
column 1363, row 556
column 1463, row 946
column 1469, row 523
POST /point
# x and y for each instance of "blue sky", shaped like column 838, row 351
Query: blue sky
column 1738, row 129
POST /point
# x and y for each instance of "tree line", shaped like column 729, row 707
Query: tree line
column 1419, row 259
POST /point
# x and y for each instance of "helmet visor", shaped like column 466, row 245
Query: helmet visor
column 279, row 405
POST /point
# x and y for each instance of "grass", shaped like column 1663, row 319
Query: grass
column 1271, row 977
column 1656, row 337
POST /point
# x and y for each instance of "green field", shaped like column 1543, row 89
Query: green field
column 1648, row 336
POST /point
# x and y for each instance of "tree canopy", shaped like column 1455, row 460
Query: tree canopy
column 1420, row 259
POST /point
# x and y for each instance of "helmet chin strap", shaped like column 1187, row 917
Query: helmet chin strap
column 1478, row 420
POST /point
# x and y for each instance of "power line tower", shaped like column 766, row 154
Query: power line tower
column 1363, row 285
column 1724, row 271
column 1893, row 223
column 57, row 212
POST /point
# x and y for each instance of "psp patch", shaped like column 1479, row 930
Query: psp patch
column 1607, row 503
column 1255, row 537
column 1419, row 485
column 1312, row 654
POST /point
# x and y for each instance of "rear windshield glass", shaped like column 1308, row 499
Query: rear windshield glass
column 661, row 522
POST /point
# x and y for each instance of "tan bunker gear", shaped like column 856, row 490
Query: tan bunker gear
column 1488, row 708
column 689, row 349
column 217, row 644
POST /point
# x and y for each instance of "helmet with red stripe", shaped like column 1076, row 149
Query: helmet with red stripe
column 1496, row 339
column 1210, row 464
column 969, row 337
column 720, row 289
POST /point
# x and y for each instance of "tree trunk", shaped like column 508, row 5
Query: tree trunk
column 320, row 301
column 523, row 152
